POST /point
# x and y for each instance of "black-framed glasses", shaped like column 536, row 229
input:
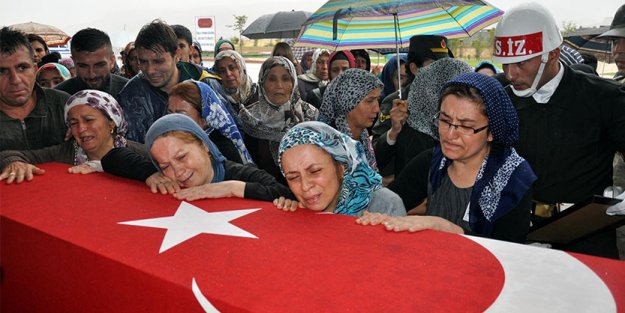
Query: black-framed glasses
column 443, row 124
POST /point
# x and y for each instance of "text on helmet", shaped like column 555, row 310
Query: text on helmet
column 515, row 46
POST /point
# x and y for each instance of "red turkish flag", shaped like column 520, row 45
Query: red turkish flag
column 72, row 243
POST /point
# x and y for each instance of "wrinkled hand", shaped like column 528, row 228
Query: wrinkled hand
column 287, row 204
column 82, row 169
column 369, row 218
column 416, row 223
column 18, row 171
column 211, row 190
column 399, row 115
column 161, row 183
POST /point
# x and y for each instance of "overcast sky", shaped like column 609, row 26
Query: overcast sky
column 123, row 18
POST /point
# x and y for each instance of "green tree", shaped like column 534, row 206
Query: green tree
column 239, row 26
column 568, row 27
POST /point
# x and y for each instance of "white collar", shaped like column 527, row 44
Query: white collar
column 545, row 92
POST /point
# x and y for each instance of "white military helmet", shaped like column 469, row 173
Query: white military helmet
column 524, row 32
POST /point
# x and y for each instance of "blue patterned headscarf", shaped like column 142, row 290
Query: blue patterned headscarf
column 504, row 177
column 359, row 180
column 181, row 122
column 217, row 117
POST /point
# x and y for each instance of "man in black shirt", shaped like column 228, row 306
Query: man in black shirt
column 93, row 56
column 570, row 124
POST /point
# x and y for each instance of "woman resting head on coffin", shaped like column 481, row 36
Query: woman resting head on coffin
column 191, row 165
column 96, row 123
column 328, row 171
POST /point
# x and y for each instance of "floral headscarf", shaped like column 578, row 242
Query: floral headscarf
column 245, row 89
column 504, row 177
column 270, row 121
column 424, row 92
column 106, row 104
column 217, row 117
column 181, row 122
column 342, row 96
column 359, row 180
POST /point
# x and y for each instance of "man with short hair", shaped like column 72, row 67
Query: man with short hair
column 422, row 51
column 144, row 98
column 570, row 124
column 94, row 59
column 185, row 40
column 31, row 117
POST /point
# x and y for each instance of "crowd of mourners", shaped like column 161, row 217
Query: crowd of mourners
column 428, row 142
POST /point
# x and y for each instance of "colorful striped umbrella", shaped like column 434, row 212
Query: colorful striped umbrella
column 353, row 24
column 357, row 24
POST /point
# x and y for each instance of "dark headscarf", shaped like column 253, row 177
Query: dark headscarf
column 365, row 55
column 181, row 122
column 504, row 177
column 388, row 72
column 220, row 42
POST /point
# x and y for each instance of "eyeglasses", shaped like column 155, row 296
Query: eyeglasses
column 443, row 124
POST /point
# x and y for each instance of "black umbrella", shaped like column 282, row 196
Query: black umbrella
column 283, row 24
column 584, row 40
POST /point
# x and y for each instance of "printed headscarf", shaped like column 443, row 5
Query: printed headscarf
column 181, row 122
column 423, row 98
column 359, row 179
column 270, row 121
column 342, row 96
column 63, row 71
column 504, row 176
column 311, row 75
column 245, row 90
column 106, row 104
column 389, row 73
column 217, row 117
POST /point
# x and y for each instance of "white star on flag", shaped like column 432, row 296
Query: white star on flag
column 190, row 221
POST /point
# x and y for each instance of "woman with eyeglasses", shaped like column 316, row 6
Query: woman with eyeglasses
column 476, row 183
